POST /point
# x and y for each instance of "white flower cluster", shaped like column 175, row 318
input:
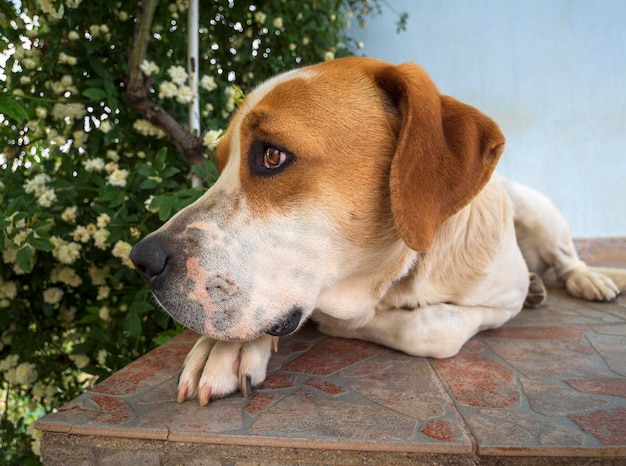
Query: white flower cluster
column 230, row 93
column 8, row 291
column 179, row 6
column 208, row 83
column 23, row 374
column 48, row 7
column 148, row 68
column 64, row 251
column 64, row 86
column 80, row 138
column 27, row 58
column 121, row 250
column 177, row 87
column 65, row 59
column 69, row 214
column 105, row 126
column 82, row 234
column 44, row 391
column 98, row 275
column 117, row 176
column 80, row 360
column 177, row 74
column 100, row 238
column 54, row 138
column 65, row 275
column 38, row 186
column 100, row 31
column 94, row 165
column 211, row 138
column 68, row 112
column 53, row 295
column 148, row 129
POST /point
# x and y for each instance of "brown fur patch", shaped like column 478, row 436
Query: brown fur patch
column 375, row 147
column 336, row 127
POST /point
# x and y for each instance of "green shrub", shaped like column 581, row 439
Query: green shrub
column 84, row 175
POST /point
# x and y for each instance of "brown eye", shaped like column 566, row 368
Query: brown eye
column 273, row 157
column 268, row 159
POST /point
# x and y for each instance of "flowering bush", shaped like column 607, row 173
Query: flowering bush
column 87, row 170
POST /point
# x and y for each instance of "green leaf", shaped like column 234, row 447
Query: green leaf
column 165, row 336
column 186, row 197
column 165, row 209
column 148, row 184
column 100, row 69
column 24, row 259
column 42, row 243
column 133, row 323
column 159, row 159
column 12, row 109
column 113, row 103
column 95, row 93
column 4, row 222
column 169, row 171
column 109, row 87
column 114, row 197
column 144, row 169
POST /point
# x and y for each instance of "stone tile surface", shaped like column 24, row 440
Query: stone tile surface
column 550, row 384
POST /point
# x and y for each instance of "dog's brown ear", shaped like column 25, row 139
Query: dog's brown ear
column 446, row 152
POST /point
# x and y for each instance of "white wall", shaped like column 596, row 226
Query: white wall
column 552, row 73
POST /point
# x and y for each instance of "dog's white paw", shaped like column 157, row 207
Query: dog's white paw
column 592, row 286
column 214, row 369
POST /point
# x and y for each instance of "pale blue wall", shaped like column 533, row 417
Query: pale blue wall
column 552, row 73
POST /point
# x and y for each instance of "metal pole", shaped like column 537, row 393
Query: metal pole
column 192, row 69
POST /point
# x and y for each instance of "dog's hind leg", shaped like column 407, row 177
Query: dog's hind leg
column 546, row 244
column 537, row 292
column 438, row 330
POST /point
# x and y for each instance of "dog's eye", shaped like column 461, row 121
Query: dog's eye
column 273, row 157
column 267, row 159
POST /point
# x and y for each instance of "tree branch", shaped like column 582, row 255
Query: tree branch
column 137, row 94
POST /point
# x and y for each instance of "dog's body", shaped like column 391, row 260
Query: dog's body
column 353, row 192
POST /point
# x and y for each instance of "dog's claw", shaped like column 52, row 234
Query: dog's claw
column 246, row 385
column 275, row 344
column 182, row 393
column 204, row 396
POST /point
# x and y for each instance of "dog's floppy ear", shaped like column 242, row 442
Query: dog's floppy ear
column 446, row 152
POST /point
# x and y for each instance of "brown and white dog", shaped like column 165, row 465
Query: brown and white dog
column 355, row 193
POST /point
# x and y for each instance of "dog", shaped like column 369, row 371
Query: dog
column 352, row 192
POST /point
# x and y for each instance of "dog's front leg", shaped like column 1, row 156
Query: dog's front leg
column 214, row 369
column 437, row 331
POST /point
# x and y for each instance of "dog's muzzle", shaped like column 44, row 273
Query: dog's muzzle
column 288, row 325
column 160, row 267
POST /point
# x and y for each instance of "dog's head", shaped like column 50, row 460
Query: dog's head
column 332, row 176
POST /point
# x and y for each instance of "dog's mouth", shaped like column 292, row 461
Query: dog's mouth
column 288, row 325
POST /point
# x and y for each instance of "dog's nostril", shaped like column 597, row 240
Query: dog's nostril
column 150, row 257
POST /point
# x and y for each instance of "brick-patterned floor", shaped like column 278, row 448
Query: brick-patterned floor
column 550, row 385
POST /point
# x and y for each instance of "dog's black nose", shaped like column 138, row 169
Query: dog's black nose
column 149, row 256
column 288, row 325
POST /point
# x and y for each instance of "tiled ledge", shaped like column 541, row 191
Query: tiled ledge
column 602, row 250
column 547, row 388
